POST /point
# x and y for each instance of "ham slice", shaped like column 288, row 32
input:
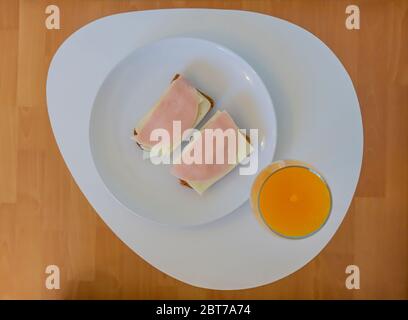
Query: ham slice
column 206, row 171
column 179, row 103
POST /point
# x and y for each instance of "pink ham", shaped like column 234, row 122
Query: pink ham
column 205, row 171
column 180, row 103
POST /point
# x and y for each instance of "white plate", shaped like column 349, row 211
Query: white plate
column 129, row 92
column 318, row 118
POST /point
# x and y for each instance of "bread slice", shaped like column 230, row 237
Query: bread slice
column 201, row 186
column 205, row 104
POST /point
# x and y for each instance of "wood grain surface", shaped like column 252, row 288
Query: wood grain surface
column 45, row 219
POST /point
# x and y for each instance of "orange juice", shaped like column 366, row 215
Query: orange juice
column 293, row 200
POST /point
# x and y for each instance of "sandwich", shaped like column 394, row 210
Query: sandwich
column 202, row 174
column 181, row 102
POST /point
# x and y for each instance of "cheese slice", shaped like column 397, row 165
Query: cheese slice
column 180, row 102
column 202, row 176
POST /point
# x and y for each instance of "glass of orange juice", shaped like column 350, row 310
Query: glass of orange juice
column 291, row 198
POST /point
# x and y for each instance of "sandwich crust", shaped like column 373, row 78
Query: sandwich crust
column 185, row 183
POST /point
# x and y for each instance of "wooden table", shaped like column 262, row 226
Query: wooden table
column 45, row 219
